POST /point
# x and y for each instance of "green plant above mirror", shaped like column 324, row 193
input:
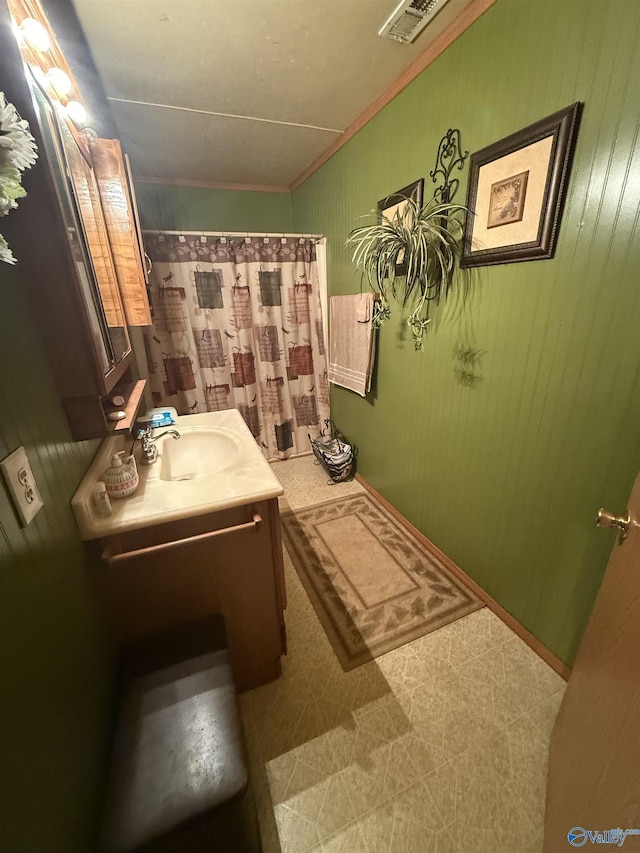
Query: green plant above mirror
column 424, row 242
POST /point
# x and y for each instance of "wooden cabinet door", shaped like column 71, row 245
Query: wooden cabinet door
column 236, row 572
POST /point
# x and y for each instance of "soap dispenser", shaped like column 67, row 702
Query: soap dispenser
column 121, row 479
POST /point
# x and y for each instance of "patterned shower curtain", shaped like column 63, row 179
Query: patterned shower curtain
column 237, row 323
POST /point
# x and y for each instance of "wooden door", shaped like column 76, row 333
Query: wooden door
column 594, row 760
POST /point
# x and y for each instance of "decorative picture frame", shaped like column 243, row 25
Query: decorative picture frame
column 393, row 205
column 516, row 192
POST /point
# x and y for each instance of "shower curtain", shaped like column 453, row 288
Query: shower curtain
column 237, row 323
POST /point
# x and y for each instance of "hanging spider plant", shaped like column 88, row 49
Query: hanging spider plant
column 410, row 257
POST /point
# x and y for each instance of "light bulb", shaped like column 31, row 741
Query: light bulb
column 35, row 34
column 76, row 112
column 59, row 80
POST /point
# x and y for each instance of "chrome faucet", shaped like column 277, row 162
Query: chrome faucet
column 148, row 441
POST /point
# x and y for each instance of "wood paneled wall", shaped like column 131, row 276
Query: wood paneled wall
column 56, row 669
column 505, row 477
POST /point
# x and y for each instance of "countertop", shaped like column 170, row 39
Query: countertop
column 243, row 479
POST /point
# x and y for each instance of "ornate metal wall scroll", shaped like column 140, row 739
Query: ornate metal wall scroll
column 450, row 156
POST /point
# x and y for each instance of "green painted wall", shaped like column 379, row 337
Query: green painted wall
column 164, row 206
column 505, row 477
column 56, row 671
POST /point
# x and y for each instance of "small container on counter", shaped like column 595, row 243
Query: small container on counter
column 100, row 500
column 157, row 418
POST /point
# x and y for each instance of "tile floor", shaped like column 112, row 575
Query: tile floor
column 438, row 747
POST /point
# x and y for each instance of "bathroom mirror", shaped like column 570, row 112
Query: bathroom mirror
column 84, row 223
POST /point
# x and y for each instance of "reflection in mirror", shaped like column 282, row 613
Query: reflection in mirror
column 92, row 217
column 84, row 222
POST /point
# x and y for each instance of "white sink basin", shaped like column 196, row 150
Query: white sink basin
column 199, row 452
column 215, row 464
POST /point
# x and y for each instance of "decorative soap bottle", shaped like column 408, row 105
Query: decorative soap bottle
column 121, row 479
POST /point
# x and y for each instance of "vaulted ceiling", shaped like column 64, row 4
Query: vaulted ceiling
column 245, row 92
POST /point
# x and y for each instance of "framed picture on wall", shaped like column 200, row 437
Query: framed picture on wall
column 393, row 206
column 516, row 192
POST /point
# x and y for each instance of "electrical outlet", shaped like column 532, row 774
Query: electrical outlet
column 19, row 478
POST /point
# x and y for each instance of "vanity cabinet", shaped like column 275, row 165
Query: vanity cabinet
column 227, row 562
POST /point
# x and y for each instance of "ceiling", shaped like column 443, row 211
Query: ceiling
column 246, row 92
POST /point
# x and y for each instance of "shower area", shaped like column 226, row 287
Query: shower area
column 239, row 321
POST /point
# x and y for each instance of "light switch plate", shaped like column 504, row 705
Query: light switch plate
column 21, row 483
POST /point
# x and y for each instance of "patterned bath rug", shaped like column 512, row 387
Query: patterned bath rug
column 372, row 584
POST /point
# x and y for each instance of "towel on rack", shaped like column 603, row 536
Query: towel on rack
column 351, row 341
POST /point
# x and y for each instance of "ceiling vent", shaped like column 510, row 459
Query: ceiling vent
column 410, row 18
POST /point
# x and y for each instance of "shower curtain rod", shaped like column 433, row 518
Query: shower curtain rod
column 232, row 233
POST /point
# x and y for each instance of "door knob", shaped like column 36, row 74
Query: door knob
column 622, row 522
